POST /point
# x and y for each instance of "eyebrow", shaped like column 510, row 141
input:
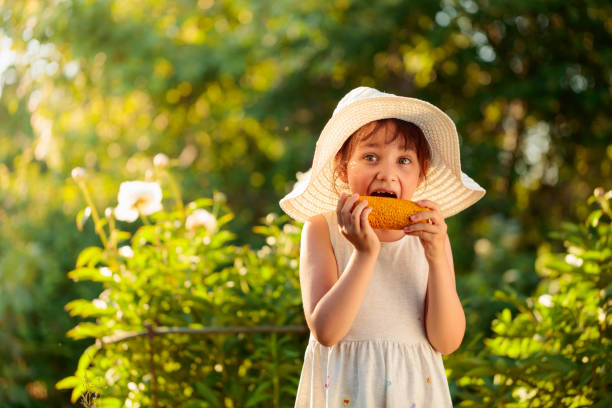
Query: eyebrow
column 372, row 144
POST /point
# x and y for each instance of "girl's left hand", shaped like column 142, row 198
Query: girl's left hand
column 433, row 234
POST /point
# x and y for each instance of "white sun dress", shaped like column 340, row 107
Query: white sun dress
column 385, row 360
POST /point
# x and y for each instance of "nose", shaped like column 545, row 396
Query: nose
column 386, row 172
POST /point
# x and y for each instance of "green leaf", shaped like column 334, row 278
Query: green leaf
column 77, row 392
column 90, row 256
column 482, row 371
column 82, row 217
column 207, row 393
column 85, row 330
column 92, row 274
column 122, row 235
column 68, row 383
column 85, row 360
column 109, row 402
column 193, row 403
column 259, row 395
column 593, row 218
column 86, row 308
column 202, row 202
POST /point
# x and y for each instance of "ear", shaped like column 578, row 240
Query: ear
column 342, row 174
column 340, row 168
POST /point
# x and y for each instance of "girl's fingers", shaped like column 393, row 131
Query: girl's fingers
column 349, row 214
column 429, row 204
column 365, row 223
column 339, row 209
column 340, row 205
column 430, row 228
column 433, row 217
column 348, row 203
column 422, row 216
column 345, row 210
column 357, row 215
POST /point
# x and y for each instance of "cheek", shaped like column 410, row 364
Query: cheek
column 352, row 164
column 352, row 168
column 413, row 177
column 357, row 173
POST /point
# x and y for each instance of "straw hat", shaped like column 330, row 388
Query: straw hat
column 446, row 185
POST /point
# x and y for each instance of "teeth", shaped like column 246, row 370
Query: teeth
column 384, row 194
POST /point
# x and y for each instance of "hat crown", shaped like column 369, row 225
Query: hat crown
column 357, row 94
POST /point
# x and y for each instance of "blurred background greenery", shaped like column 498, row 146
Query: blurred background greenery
column 236, row 93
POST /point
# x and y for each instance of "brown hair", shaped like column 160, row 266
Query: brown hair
column 412, row 137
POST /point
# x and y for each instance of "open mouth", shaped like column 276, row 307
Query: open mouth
column 383, row 194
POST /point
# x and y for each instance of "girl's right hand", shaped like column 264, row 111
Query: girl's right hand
column 354, row 224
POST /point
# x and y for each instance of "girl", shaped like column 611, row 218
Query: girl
column 381, row 305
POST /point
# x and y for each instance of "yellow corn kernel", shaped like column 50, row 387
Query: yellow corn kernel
column 391, row 213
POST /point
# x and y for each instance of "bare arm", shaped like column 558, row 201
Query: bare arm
column 444, row 316
column 331, row 304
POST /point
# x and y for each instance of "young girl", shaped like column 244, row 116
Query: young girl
column 381, row 305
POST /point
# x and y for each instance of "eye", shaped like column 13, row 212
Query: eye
column 405, row 160
column 370, row 157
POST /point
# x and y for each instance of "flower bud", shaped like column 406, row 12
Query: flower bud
column 78, row 174
column 201, row 218
column 161, row 160
column 149, row 175
column 126, row 251
column 219, row 197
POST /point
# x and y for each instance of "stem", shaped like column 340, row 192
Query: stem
column 275, row 380
column 176, row 192
column 113, row 234
column 94, row 213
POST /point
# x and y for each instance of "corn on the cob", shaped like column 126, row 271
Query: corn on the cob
column 391, row 213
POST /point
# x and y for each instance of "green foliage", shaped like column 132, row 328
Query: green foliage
column 172, row 274
column 554, row 350
column 236, row 93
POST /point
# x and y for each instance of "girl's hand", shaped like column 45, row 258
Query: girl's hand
column 433, row 234
column 354, row 224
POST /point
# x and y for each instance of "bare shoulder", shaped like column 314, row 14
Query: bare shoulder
column 318, row 269
column 316, row 226
column 315, row 242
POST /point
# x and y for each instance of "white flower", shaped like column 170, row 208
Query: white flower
column 106, row 271
column 201, row 218
column 546, row 300
column 137, row 197
column 100, row 304
column 126, row 251
column 573, row 260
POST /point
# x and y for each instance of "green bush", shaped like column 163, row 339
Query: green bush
column 553, row 348
column 173, row 274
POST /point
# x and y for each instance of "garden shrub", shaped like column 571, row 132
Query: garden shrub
column 552, row 349
column 176, row 272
